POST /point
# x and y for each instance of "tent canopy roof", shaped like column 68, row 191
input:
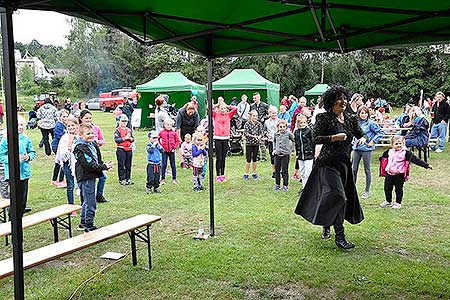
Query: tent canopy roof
column 317, row 90
column 169, row 81
column 242, row 79
column 240, row 27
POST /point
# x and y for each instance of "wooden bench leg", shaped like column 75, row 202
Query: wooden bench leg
column 144, row 236
column 64, row 222
column 3, row 219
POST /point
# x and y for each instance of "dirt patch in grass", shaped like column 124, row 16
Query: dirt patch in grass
column 290, row 291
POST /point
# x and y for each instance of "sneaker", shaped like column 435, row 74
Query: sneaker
column 246, row 177
column 365, row 195
column 386, row 204
column 61, row 185
column 276, row 188
column 55, row 183
column 439, row 150
column 81, row 227
column 284, row 188
column 273, row 175
column 102, row 199
column 89, row 229
column 218, row 179
column 157, row 190
column 396, row 205
column 149, row 190
column 123, row 182
column 163, row 182
column 295, row 176
column 73, row 214
column 174, row 181
column 196, row 189
column 129, row 182
column 27, row 209
column 254, row 176
column 224, row 179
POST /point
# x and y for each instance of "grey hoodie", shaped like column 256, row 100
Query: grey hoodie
column 282, row 143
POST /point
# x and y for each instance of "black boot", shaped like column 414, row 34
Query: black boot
column 101, row 199
column 341, row 242
column 326, row 232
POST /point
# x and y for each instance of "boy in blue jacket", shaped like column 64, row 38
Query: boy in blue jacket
column 88, row 167
column 26, row 154
column 154, row 151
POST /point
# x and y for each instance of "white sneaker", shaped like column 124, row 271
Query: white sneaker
column 365, row 195
column 386, row 204
column 396, row 205
column 439, row 150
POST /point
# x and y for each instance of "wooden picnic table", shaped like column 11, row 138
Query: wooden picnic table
column 59, row 215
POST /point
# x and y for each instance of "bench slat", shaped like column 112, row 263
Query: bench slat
column 40, row 217
column 4, row 203
column 60, row 249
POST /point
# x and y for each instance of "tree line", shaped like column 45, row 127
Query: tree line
column 100, row 59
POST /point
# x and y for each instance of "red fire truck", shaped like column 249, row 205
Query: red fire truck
column 109, row 101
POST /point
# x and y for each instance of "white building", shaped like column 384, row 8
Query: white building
column 40, row 70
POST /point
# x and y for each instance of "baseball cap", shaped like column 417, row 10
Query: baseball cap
column 152, row 134
column 123, row 117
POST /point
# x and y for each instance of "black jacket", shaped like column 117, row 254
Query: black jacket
column 304, row 146
column 86, row 167
column 441, row 113
column 187, row 124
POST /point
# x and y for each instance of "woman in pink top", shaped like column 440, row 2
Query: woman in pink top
column 86, row 118
column 222, row 119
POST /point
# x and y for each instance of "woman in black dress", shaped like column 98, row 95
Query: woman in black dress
column 330, row 194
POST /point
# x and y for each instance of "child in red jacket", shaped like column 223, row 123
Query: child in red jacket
column 170, row 141
column 124, row 139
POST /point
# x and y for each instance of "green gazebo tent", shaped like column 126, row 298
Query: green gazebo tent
column 247, row 81
column 177, row 86
column 316, row 91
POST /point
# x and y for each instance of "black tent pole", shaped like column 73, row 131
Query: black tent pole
column 13, row 149
column 210, row 149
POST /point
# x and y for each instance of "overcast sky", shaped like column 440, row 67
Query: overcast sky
column 48, row 28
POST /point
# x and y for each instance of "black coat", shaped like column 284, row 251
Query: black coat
column 330, row 188
column 86, row 167
column 304, row 146
column 186, row 123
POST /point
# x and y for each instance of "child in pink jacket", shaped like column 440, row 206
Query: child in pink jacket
column 395, row 169
column 170, row 141
column 222, row 120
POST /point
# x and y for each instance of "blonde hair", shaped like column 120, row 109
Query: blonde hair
column 187, row 136
column 397, row 138
column 168, row 121
column 85, row 127
column 197, row 136
column 301, row 117
column 273, row 108
column 73, row 120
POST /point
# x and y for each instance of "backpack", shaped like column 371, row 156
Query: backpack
column 384, row 162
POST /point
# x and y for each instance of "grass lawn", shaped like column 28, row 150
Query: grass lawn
column 261, row 251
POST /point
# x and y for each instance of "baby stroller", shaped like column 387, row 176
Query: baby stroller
column 236, row 142
column 32, row 120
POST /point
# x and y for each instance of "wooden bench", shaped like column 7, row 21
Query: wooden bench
column 4, row 204
column 59, row 215
column 60, row 249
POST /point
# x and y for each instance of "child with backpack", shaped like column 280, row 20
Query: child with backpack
column 394, row 167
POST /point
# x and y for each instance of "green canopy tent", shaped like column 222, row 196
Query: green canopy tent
column 316, row 91
column 177, row 86
column 227, row 28
column 247, row 81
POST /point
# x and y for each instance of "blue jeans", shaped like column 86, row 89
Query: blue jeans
column 89, row 202
column 101, row 185
column 70, row 182
column 439, row 131
column 171, row 156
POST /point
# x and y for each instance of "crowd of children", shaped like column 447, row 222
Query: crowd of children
column 77, row 144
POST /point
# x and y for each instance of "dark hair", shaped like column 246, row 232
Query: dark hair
column 83, row 113
column 332, row 94
column 48, row 101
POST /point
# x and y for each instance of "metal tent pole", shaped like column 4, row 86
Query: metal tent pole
column 13, row 149
column 210, row 148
